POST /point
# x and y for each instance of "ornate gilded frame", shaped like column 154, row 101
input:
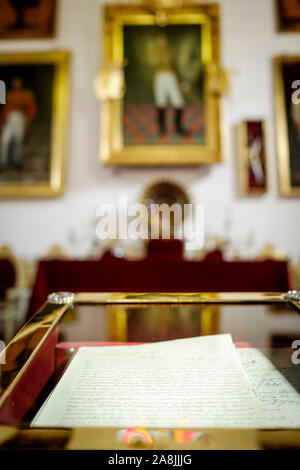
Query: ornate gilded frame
column 55, row 185
column 112, row 148
column 283, row 151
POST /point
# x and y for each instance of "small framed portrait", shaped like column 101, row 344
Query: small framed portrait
column 33, row 123
column 27, row 19
column 287, row 100
column 251, row 151
column 168, row 114
column 288, row 15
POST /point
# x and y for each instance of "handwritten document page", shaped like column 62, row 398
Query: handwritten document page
column 188, row 383
column 276, row 382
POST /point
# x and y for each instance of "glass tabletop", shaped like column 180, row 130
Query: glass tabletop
column 261, row 326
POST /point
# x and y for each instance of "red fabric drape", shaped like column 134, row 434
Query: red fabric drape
column 111, row 274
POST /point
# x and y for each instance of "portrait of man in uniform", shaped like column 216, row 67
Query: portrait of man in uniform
column 164, row 85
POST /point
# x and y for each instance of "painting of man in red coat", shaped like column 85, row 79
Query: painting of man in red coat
column 26, row 122
column 17, row 115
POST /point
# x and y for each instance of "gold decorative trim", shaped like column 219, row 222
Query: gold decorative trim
column 296, row 275
column 177, row 186
column 21, row 351
column 106, row 438
column 7, row 253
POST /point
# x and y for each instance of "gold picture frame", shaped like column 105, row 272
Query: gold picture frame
column 54, row 65
column 288, row 141
column 252, row 159
column 113, row 149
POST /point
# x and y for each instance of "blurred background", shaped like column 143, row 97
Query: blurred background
column 240, row 226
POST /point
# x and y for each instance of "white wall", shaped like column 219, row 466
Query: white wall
column 248, row 43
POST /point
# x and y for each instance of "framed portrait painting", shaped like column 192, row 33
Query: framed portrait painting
column 168, row 114
column 288, row 15
column 27, row 19
column 33, row 122
column 287, row 100
column 252, row 168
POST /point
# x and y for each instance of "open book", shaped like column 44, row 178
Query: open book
column 187, row 384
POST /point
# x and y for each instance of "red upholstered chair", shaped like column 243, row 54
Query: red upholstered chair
column 7, row 275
